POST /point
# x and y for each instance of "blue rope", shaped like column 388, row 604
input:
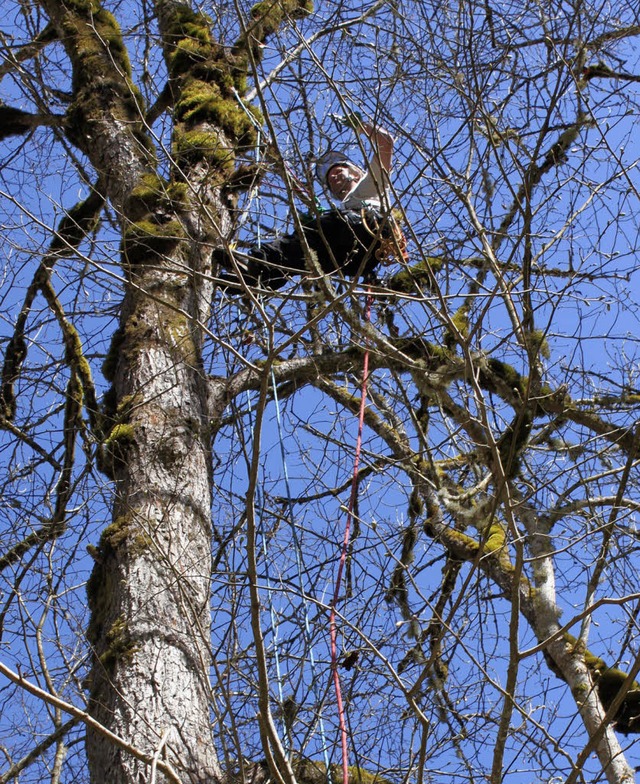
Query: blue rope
column 254, row 196
column 298, row 551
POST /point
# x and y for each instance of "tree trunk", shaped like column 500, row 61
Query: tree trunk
column 149, row 592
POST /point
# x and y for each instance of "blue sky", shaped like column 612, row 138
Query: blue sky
column 408, row 68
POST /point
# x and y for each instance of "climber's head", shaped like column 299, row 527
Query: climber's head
column 338, row 173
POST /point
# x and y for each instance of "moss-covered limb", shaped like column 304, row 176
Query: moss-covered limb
column 436, row 629
column 55, row 527
column 206, row 79
column 80, row 221
column 489, row 552
column 105, row 117
column 308, row 771
column 559, row 403
column 416, row 277
column 15, row 122
column 211, row 122
column 608, row 682
column 513, row 441
column 117, row 432
column 503, row 379
column 435, row 357
column 267, row 17
column 27, row 51
column 154, row 225
column 74, row 356
column 110, row 635
column 458, row 330
column 76, row 225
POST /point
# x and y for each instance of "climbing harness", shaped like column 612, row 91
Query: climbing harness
column 390, row 239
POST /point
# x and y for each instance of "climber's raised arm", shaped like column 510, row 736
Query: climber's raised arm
column 382, row 143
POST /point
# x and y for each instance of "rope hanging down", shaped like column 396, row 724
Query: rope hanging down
column 333, row 631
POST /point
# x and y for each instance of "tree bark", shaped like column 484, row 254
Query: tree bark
column 149, row 590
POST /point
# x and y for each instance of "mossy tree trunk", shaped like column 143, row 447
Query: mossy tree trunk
column 149, row 591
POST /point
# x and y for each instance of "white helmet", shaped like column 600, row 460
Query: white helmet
column 326, row 162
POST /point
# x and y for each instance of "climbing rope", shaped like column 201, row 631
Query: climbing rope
column 333, row 631
column 298, row 553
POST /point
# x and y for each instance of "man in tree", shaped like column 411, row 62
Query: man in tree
column 348, row 239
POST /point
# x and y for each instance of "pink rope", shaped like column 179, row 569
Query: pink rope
column 333, row 632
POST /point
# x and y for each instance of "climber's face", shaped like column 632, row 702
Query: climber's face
column 342, row 179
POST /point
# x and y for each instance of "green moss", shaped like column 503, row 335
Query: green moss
column 120, row 647
column 514, row 440
column 500, row 373
column 110, row 33
column 98, row 40
column 268, row 15
column 202, row 102
column 358, row 775
column 460, row 323
column 189, row 41
column 125, row 530
column 197, row 29
column 127, row 403
column 506, row 372
column 152, row 232
column 195, row 98
column 177, row 194
column 145, row 198
column 419, row 348
column 79, row 222
column 146, row 240
column 113, row 451
column 194, row 146
column 460, row 320
column 85, row 6
column 416, row 505
column 538, row 343
column 185, row 22
column 102, row 77
column 608, row 682
column 496, row 539
column 176, row 331
column 417, row 277
column 120, row 434
column 186, row 54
